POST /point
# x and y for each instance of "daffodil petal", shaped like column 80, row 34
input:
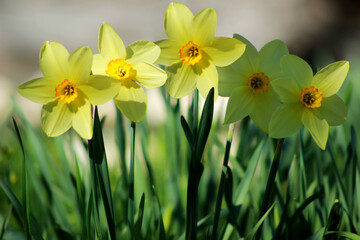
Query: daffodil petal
column 203, row 27
column 330, row 79
column 142, row 51
column 99, row 65
column 231, row 77
column 132, row 101
column 224, row 51
column 169, row 52
column 178, row 19
column 241, row 104
column 265, row 105
column 100, row 89
column 250, row 59
column 149, row 75
column 80, row 62
column 287, row 89
column 333, row 110
column 181, row 80
column 82, row 118
column 319, row 129
column 296, row 68
column 286, row 120
column 110, row 44
column 207, row 78
column 40, row 90
column 54, row 60
column 270, row 55
column 56, row 118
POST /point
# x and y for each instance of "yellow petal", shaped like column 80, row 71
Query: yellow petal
column 207, row 78
column 287, row 89
column 270, row 55
column 132, row 101
column 178, row 19
column 265, row 105
column 80, row 62
column 54, row 60
column 181, row 80
column 82, row 117
column 149, row 75
column 169, row 52
column 329, row 79
column 40, row 90
column 333, row 110
column 100, row 89
column 99, row 65
column 241, row 104
column 142, row 51
column 224, row 51
column 286, row 120
column 56, row 118
column 296, row 68
column 203, row 27
column 110, row 44
column 319, row 129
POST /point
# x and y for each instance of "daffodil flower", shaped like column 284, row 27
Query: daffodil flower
column 131, row 67
column 67, row 90
column 309, row 100
column 247, row 83
column 192, row 52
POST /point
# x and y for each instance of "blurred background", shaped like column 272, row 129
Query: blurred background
column 321, row 31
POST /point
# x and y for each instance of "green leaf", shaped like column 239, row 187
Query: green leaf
column 140, row 214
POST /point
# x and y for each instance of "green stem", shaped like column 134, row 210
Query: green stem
column 270, row 182
column 222, row 181
column 132, row 176
column 195, row 111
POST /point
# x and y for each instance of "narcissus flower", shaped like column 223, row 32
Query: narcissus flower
column 131, row 67
column 67, row 90
column 192, row 52
column 247, row 82
column 308, row 100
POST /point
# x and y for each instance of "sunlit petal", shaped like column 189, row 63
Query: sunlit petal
column 181, row 80
column 110, row 44
column 40, row 90
column 82, row 118
column 178, row 19
column 207, row 78
column 80, row 62
column 56, row 118
column 169, row 52
column 54, row 60
column 149, row 75
column 99, row 65
column 203, row 27
column 142, row 51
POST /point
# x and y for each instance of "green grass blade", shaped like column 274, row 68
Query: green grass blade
column 141, row 213
column 5, row 222
column 188, row 133
column 346, row 235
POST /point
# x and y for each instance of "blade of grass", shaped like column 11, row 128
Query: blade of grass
column 259, row 224
column 5, row 222
column 132, row 175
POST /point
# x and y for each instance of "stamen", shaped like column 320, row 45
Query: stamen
column 311, row 97
column 120, row 70
column 190, row 53
column 66, row 91
column 258, row 82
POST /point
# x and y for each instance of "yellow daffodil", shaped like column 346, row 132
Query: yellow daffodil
column 67, row 90
column 192, row 52
column 247, row 83
column 308, row 100
column 130, row 66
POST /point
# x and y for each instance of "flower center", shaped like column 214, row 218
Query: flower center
column 66, row 92
column 258, row 82
column 190, row 53
column 311, row 97
column 120, row 70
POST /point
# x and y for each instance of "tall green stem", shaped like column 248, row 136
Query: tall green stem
column 132, row 175
column 195, row 110
column 222, row 181
column 270, row 182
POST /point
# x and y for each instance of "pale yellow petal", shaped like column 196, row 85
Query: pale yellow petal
column 181, row 80
column 270, row 55
column 100, row 89
column 132, row 101
column 207, row 78
column 54, row 60
column 178, row 19
column 231, row 77
column 287, row 89
column 169, row 52
column 319, row 129
column 142, row 51
column 56, row 118
column 110, row 44
column 80, row 62
column 203, row 27
column 40, row 90
column 149, row 75
column 99, row 65
column 224, row 51
column 297, row 69
column 330, row 79
column 82, row 117
column 333, row 110
column 241, row 104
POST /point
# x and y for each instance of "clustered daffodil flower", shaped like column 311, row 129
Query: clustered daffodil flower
column 130, row 66
column 67, row 90
column 192, row 52
column 247, row 83
column 308, row 100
